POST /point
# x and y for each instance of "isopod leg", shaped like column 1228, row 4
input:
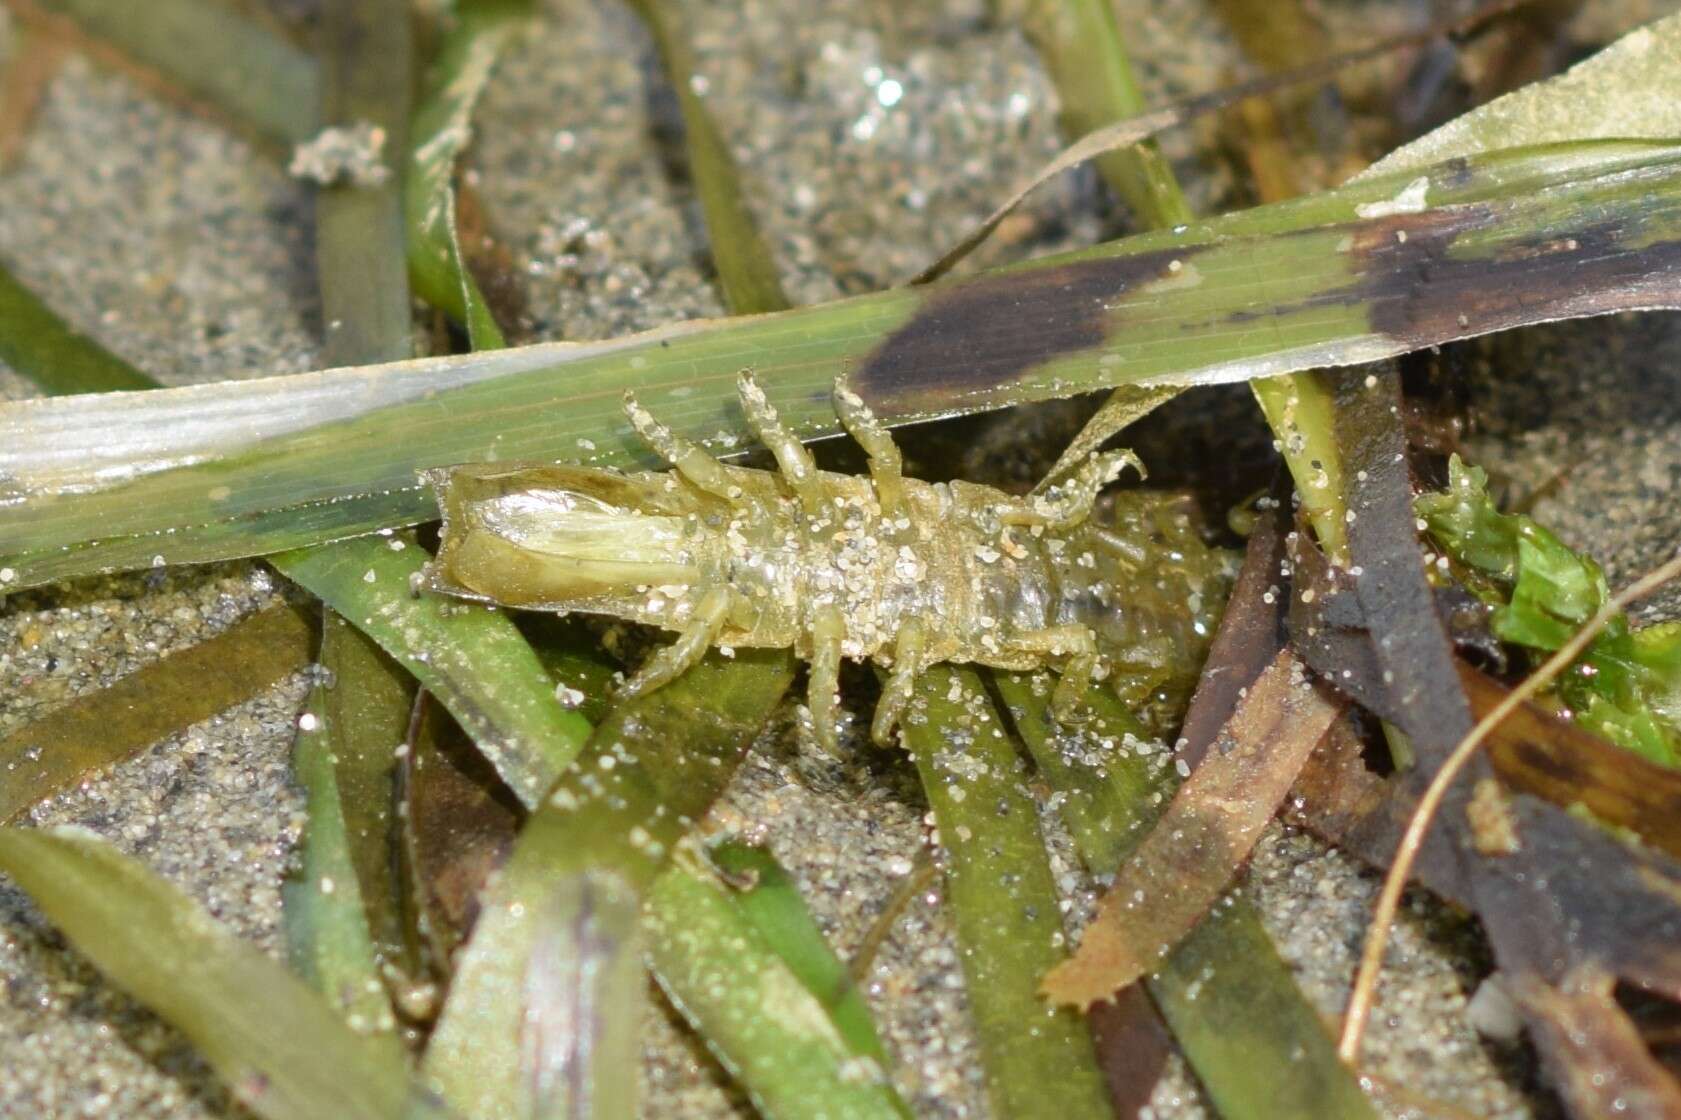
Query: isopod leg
column 1076, row 646
column 887, row 466
column 791, row 455
column 1071, row 503
column 691, row 462
column 896, row 694
column 823, row 693
column 691, row 645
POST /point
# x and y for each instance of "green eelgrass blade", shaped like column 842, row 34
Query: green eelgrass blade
column 745, row 267
column 1039, row 1060
column 285, row 1054
column 226, row 470
column 442, row 126
column 327, row 928
column 48, row 351
column 771, row 906
column 1255, row 1042
column 100, row 729
column 361, row 262
column 212, row 52
column 653, row 768
column 767, row 1027
column 1080, row 43
column 364, row 704
column 470, row 657
column 1258, row 1047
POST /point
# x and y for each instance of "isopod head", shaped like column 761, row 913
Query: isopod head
column 560, row 538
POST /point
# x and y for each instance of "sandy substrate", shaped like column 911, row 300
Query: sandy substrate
column 874, row 134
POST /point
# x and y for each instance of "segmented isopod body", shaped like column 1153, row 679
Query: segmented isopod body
column 888, row 568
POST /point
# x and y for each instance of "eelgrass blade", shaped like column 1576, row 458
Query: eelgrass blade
column 1256, row 1044
column 210, row 51
column 1081, row 45
column 1038, row 1059
column 42, row 347
column 653, row 768
column 471, row 658
column 1258, row 1047
column 327, row 929
column 361, row 263
column 769, row 902
column 282, row 1051
column 745, row 267
column 363, row 704
column 476, row 34
column 1294, row 285
column 1114, row 777
column 583, row 1000
column 768, row 1029
column 36, row 58
column 96, row 731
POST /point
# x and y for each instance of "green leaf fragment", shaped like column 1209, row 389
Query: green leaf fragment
column 470, row 657
column 280, row 1048
column 1626, row 687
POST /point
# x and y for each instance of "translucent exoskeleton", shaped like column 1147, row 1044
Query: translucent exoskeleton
column 887, row 568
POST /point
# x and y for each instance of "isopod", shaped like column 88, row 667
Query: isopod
column 887, row 568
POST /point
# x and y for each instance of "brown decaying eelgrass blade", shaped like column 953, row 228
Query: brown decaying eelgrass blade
column 1189, row 858
column 746, row 269
column 282, row 1051
column 42, row 347
column 1258, row 1047
column 327, row 926
column 1436, row 794
column 204, row 52
column 1038, row 1061
column 93, row 732
column 652, row 770
column 35, row 61
column 1611, row 1070
column 458, row 828
column 1535, row 751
